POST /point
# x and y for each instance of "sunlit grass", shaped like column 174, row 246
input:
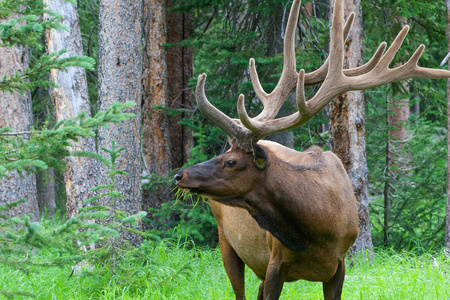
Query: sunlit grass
column 181, row 271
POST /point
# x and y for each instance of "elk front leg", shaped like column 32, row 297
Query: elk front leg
column 332, row 289
column 273, row 283
column 234, row 266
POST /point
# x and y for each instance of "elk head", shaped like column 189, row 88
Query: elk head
column 228, row 176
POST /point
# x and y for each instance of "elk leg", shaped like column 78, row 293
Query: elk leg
column 234, row 266
column 332, row 289
column 273, row 284
column 261, row 291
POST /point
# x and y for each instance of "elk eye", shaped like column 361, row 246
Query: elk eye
column 230, row 163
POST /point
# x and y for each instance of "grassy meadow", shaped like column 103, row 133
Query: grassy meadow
column 165, row 271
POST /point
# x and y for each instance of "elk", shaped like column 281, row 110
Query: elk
column 289, row 215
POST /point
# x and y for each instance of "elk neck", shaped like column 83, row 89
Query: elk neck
column 283, row 204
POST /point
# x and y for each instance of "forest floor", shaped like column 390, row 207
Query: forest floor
column 165, row 271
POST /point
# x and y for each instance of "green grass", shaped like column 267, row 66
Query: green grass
column 166, row 271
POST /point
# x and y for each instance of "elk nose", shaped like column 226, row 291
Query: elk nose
column 178, row 177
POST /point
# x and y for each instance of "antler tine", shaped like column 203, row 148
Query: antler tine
column 272, row 102
column 425, row 72
column 318, row 76
column 227, row 124
column 300, row 94
column 383, row 74
column 336, row 58
column 243, row 116
column 263, row 129
column 393, row 49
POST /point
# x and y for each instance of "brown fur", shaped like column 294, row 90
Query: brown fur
column 293, row 219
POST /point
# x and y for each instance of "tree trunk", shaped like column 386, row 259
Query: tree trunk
column 348, row 131
column 179, row 72
column 46, row 192
column 16, row 112
column 157, row 142
column 120, row 74
column 398, row 114
column 70, row 98
column 397, row 117
column 447, row 218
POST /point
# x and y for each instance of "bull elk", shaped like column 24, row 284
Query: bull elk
column 289, row 215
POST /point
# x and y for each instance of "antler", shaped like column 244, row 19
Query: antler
column 335, row 80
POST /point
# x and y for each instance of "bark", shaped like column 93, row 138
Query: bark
column 70, row 98
column 347, row 125
column 46, row 192
column 16, row 112
column 447, row 215
column 120, row 74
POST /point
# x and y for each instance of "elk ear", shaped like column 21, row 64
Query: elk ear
column 260, row 157
column 233, row 143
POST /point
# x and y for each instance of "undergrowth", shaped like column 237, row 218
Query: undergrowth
column 167, row 270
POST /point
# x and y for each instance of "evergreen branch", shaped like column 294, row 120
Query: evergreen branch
column 92, row 155
column 31, row 78
column 26, row 25
column 45, row 148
